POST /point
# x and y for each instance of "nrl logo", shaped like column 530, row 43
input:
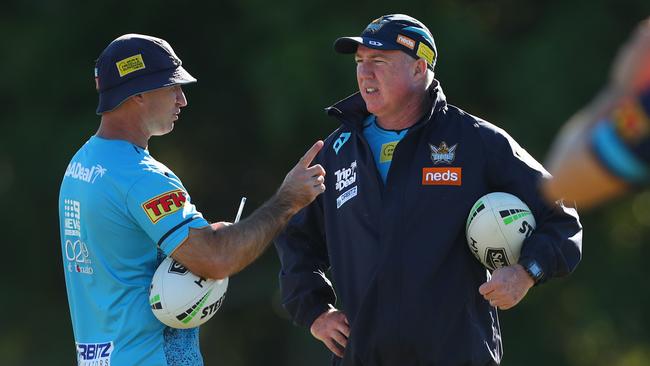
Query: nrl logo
column 177, row 268
column 442, row 153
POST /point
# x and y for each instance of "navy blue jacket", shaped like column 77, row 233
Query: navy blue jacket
column 397, row 253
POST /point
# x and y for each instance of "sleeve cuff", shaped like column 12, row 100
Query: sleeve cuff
column 177, row 235
column 542, row 260
column 315, row 313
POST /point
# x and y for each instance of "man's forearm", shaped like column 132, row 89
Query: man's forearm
column 223, row 249
column 243, row 242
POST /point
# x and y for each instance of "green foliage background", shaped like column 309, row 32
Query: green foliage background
column 266, row 70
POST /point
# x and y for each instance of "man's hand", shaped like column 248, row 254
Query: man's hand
column 303, row 183
column 224, row 249
column 507, row 286
column 333, row 329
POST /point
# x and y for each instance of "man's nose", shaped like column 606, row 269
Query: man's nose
column 365, row 70
column 180, row 97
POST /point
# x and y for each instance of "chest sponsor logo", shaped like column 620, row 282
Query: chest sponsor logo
column 94, row 354
column 346, row 196
column 443, row 154
column 89, row 175
column 346, row 176
column 75, row 250
column 387, row 150
column 71, row 218
column 164, row 205
column 451, row 176
column 78, row 257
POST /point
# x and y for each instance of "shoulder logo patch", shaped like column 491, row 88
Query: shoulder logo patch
column 338, row 144
column 165, row 204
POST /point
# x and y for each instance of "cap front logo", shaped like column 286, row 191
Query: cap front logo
column 442, row 153
column 376, row 25
column 130, row 64
column 375, row 43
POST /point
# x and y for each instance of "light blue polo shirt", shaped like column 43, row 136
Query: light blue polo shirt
column 121, row 212
column 382, row 144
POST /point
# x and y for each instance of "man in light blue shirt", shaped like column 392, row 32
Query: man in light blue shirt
column 382, row 143
column 121, row 212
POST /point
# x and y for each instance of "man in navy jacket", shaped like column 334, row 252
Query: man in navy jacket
column 404, row 169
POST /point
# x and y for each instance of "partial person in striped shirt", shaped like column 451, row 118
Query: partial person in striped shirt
column 604, row 150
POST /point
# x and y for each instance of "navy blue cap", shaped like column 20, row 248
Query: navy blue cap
column 134, row 64
column 394, row 32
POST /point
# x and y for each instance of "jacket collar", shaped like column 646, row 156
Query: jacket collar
column 352, row 111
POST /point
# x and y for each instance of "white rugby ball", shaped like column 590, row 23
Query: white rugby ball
column 496, row 228
column 181, row 299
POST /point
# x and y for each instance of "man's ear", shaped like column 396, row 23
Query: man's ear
column 420, row 67
column 138, row 99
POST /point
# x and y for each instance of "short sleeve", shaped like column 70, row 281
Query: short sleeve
column 163, row 209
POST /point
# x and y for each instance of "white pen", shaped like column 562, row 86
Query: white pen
column 241, row 209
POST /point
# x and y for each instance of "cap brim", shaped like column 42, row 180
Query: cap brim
column 112, row 98
column 348, row 45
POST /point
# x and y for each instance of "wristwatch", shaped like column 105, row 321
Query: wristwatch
column 533, row 269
